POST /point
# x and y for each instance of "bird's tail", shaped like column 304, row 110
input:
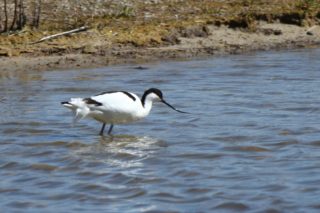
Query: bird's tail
column 78, row 107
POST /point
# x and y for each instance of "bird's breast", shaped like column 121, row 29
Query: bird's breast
column 115, row 117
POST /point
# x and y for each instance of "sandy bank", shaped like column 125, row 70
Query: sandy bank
column 209, row 40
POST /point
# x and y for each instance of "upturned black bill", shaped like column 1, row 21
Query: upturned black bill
column 163, row 101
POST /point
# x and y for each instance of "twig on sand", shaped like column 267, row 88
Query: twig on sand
column 80, row 29
column 311, row 30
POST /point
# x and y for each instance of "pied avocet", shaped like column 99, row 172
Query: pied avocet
column 115, row 107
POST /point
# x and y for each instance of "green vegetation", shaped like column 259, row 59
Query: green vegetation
column 139, row 23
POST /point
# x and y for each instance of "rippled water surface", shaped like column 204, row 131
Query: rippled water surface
column 252, row 143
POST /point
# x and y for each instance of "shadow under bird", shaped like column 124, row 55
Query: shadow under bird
column 115, row 107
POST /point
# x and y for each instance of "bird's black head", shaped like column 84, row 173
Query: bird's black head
column 155, row 91
column 158, row 93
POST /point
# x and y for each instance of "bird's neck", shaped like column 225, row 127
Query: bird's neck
column 146, row 105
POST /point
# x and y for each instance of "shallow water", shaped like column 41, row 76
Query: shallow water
column 252, row 143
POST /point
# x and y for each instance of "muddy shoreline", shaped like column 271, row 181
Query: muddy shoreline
column 210, row 40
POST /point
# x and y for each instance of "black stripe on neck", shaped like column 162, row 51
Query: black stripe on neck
column 147, row 92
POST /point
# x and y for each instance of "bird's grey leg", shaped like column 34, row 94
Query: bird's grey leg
column 102, row 129
column 110, row 129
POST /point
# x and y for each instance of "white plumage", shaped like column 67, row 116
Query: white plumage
column 116, row 107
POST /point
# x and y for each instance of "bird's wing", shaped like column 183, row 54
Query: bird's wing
column 115, row 101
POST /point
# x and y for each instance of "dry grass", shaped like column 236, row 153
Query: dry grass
column 146, row 23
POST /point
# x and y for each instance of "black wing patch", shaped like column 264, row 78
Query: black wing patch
column 91, row 101
column 124, row 92
column 129, row 95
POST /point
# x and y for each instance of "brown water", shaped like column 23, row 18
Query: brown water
column 252, row 144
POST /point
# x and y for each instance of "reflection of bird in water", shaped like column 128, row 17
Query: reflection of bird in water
column 115, row 107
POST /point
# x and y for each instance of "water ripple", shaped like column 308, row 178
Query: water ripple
column 251, row 143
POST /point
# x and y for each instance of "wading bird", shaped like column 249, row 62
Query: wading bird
column 115, row 107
